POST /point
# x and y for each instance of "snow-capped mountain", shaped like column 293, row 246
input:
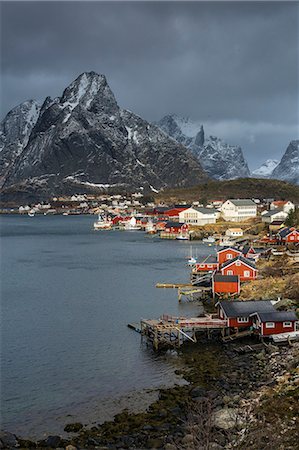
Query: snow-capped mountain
column 83, row 140
column 266, row 169
column 288, row 168
column 15, row 130
column 220, row 160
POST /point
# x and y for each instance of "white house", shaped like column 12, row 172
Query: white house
column 286, row 206
column 198, row 216
column 274, row 214
column 234, row 232
column 238, row 210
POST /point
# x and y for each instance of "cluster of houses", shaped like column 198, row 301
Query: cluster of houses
column 259, row 317
column 229, row 267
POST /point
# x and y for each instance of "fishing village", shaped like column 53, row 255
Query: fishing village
column 237, row 354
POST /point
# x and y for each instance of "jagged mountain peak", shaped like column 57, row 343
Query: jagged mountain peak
column 15, row 130
column 83, row 140
column 219, row 159
column 288, row 168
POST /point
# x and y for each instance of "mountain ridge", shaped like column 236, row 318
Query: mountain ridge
column 219, row 159
column 84, row 138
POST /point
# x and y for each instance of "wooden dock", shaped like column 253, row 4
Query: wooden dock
column 192, row 293
column 173, row 331
column 173, row 285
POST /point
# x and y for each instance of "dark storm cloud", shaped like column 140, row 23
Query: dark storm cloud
column 231, row 65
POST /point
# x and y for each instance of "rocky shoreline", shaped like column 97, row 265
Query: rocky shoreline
column 232, row 401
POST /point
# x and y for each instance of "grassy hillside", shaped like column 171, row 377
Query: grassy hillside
column 240, row 188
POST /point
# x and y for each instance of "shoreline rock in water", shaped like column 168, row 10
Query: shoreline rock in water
column 233, row 400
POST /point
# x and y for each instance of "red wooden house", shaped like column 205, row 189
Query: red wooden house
column 227, row 253
column 225, row 284
column 176, row 228
column 239, row 314
column 209, row 264
column 288, row 235
column 275, row 322
column 243, row 267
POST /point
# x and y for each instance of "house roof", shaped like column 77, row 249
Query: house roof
column 286, row 231
column 229, row 248
column 273, row 212
column 174, row 224
column 277, row 222
column 226, row 278
column 277, row 316
column 211, row 259
column 242, row 202
column 246, row 261
column 280, row 202
column 246, row 308
column 246, row 249
column 206, row 210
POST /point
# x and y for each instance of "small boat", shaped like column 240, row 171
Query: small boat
column 31, row 214
column 102, row 224
column 225, row 242
column 209, row 240
column 182, row 237
column 192, row 261
column 150, row 228
column 131, row 225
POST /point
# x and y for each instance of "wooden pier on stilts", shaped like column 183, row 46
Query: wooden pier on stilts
column 174, row 331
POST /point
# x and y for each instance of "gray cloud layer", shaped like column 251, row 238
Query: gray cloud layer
column 232, row 66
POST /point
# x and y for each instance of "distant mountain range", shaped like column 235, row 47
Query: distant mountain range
column 220, row 160
column 84, row 142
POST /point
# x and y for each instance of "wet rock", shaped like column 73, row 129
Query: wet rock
column 226, row 418
column 73, row 427
column 53, row 441
column 170, row 447
column 8, row 440
column 154, row 443
column 188, row 440
column 198, row 391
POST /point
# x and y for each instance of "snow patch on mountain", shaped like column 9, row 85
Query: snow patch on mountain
column 266, row 169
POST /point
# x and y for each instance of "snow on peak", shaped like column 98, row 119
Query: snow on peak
column 82, row 90
column 266, row 169
column 188, row 127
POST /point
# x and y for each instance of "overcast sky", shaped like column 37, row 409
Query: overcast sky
column 231, row 65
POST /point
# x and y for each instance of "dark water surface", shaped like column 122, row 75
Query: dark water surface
column 67, row 294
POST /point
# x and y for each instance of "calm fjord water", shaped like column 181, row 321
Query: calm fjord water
column 67, row 294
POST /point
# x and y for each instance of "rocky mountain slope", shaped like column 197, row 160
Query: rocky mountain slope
column 15, row 130
column 82, row 141
column 266, row 169
column 288, row 168
column 220, row 160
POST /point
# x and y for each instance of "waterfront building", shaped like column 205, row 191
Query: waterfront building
column 238, row 210
column 198, row 216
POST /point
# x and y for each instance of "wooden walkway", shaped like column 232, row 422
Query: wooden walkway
column 170, row 330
